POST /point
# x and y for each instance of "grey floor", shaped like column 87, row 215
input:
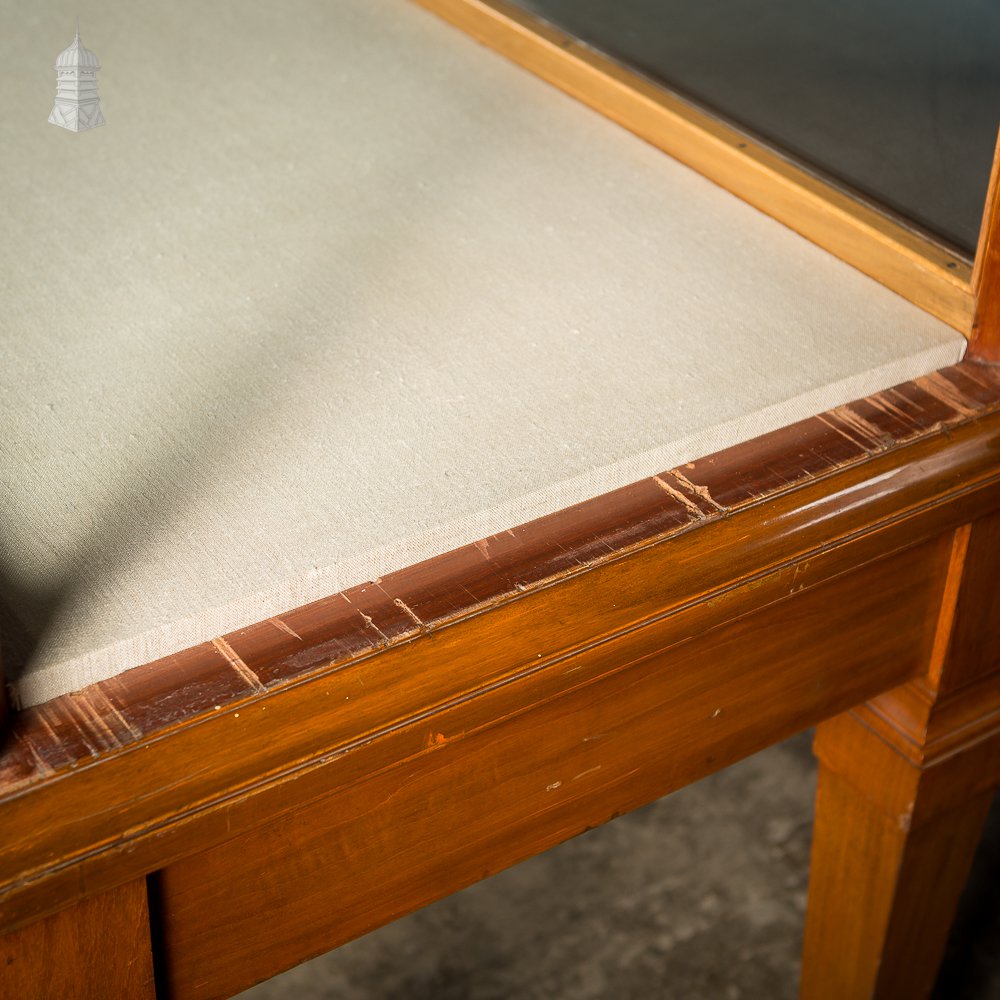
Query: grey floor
column 699, row 896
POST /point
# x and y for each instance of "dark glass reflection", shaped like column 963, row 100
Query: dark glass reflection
column 899, row 99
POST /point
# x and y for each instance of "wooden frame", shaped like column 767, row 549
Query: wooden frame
column 510, row 694
column 503, row 697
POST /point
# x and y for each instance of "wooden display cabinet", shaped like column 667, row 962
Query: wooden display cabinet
column 336, row 770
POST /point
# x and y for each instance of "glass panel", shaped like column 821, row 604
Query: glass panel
column 899, row 99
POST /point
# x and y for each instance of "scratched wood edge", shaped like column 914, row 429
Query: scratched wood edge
column 939, row 416
column 151, row 700
column 913, row 265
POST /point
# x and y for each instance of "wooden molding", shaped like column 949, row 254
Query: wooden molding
column 927, row 728
column 984, row 343
column 520, row 769
column 942, row 728
column 139, row 771
column 876, row 243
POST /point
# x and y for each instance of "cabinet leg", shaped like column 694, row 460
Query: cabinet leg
column 905, row 785
column 891, row 852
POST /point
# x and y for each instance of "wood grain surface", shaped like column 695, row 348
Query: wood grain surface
column 490, row 782
column 97, row 948
column 167, row 753
column 905, row 786
column 885, row 935
column 697, row 615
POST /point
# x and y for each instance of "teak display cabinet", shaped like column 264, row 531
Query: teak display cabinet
column 336, row 770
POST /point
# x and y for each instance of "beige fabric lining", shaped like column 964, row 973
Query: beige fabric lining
column 336, row 290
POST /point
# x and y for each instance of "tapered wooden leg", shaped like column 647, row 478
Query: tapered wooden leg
column 905, row 785
column 98, row 948
column 888, row 866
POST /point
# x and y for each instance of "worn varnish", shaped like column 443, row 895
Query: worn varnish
column 67, row 731
column 698, row 615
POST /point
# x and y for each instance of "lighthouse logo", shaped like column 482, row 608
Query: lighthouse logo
column 77, row 105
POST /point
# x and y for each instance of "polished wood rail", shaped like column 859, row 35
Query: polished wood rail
column 349, row 761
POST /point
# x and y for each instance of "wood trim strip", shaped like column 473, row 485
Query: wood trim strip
column 949, row 602
column 932, row 277
column 86, row 804
column 984, row 343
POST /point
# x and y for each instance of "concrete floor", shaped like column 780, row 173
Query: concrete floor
column 698, row 896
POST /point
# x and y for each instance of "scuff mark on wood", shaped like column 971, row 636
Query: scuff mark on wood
column 96, row 704
column 852, row 418
column 865, row 429
column 853, row 438
column 371, row 624
column 701, row 491
column 941, row 389
column 43, row 766
column 92, row 728
column 41, row 713
column 882, row 403
column 407, row 610
column 278, row 623
column 232, row 658
column 905, row 819
column 680, row 498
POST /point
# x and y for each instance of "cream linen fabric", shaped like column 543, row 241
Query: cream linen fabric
column 335, row 290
